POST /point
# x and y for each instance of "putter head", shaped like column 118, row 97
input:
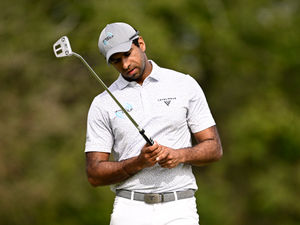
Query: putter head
column 62, row 47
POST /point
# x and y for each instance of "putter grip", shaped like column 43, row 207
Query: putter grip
column 148, row 140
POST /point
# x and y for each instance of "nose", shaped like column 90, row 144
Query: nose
column 125, row 63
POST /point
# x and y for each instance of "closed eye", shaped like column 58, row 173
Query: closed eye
column 114, row 61
column 118, row 58
column 126, row 54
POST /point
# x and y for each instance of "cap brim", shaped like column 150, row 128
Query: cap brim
column 124, row 47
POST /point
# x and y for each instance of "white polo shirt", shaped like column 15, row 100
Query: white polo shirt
column 169, row 106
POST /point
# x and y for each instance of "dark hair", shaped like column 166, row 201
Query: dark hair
column 136, row 42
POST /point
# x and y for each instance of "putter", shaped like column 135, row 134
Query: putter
column 62, row 48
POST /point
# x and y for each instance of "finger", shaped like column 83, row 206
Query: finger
column 165, row 165
column 153, row 154
column 156, row 155
column 164, row 162
column 168, row 164
column 161, row 159
column 152, row 148
column 157, row 152
column 163, row 156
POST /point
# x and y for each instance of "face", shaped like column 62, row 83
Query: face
column 131, row 64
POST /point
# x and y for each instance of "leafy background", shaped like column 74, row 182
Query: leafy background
column 244, row 54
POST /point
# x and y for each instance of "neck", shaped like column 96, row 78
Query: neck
column 147, row 71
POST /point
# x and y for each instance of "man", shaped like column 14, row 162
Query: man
column 153, row 184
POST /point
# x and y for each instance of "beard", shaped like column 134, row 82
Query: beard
column 138, row 76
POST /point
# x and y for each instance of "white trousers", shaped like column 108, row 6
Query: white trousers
column 131, row 212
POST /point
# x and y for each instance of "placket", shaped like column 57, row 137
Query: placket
column 145, row 103
column 140, row 113
column 145, row 99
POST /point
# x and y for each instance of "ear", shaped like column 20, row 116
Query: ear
column 142, row 44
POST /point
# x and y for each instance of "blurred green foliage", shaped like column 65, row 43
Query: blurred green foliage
column 244, row 54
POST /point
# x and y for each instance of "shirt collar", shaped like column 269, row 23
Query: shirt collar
column 122, row 83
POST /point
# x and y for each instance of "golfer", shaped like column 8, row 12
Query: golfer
column 154, row 185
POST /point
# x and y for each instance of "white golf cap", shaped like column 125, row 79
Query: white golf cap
column 115, row 38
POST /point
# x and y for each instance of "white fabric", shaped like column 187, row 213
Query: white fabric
column 168, row 106
column 181, row 212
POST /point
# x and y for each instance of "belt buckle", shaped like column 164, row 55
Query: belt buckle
column 152, row 198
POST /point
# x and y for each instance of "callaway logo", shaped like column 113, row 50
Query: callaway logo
column 167, row 101
column 108, row 37
column 119, row 113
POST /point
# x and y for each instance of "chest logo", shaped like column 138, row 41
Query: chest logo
column 167, row 101
column 119, row 113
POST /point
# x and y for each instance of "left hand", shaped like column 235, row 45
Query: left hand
column 168, row 157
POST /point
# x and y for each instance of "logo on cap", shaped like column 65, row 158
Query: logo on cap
column 108, row 37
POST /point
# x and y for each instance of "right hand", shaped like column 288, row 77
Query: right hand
column 148, row 155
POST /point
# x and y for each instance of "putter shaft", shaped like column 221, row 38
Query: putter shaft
column 141, row 131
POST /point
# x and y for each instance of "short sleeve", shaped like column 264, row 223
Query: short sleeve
column 99, row 136
column 199, row 116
